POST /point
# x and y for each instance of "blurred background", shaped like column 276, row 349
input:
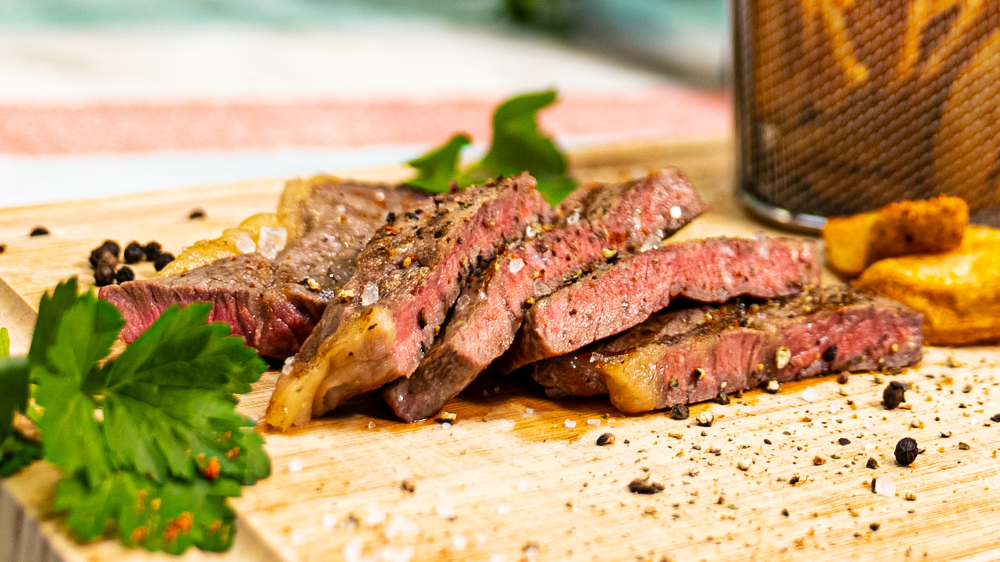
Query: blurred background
column 104, row 97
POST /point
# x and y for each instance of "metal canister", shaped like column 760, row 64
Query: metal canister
column 844, row 106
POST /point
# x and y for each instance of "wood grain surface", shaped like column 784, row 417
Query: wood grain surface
column 514, row 479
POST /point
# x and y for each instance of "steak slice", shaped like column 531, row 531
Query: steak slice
column 269, row 302
column 619, row 217
column 624, row 294
column 408, row 277
column 691, row 355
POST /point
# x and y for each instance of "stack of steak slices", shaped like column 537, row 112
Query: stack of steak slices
column 693, row 354
column 597, row 221
column 275, row 303
column 408, row 277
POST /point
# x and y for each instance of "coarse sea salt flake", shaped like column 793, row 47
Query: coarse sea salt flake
column 245, row 244
column 272, row 240
column 885, row 487
column 446, row 510
column 328, row 521
column 370, row 295
column 400, row 526
column 809, row 395
column 287, row 369
column 675, row 212
column 503, row 509
column 498, row 557
column 529, row 410
column 295, row 465
column 516, row 265
column 570, row 424
column 594, row 422
column 458, row 542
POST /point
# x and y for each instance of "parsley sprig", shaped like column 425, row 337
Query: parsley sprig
column 149, row 444
column 517, row 146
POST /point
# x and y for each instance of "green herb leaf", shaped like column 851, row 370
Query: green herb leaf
column 141, row 512
column 517, row 146
column 149, row 444
column 78, row 334
column 175, row 386
column 4, row 344
column 17, row 452
column 439, row 166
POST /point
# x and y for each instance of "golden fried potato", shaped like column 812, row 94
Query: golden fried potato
column 958, row 292
column 899, row 229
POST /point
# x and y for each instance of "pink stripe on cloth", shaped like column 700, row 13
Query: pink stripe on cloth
column 146, row 127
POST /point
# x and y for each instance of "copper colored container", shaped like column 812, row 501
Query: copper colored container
column 844, row 106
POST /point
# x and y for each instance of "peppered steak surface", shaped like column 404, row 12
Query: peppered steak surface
column 690, row 355
column 625, row 293
column 269, row 302
column 597, row 217
column 408, row 277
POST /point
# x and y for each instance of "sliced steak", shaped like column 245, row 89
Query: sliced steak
column 408, row 277
column 270, row 302
column 594, row 219
column 690, row 355
column 625, row 293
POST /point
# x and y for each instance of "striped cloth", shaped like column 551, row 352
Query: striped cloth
column 92, row 112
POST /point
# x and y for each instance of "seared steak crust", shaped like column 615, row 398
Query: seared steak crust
column 408, row 277
column 690, row 355
column 596, row 218
column 625, row 293
column 268, row 302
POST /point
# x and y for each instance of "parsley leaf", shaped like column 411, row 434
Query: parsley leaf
column 17, row 452
column 149, row 444
column 438, row 167
column 79, row 333
column 14, row 381
column 175, row 385
column 171, row 516
column 517, row 146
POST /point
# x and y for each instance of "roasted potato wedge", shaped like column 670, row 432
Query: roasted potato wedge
column 910, row 227
column 958, row 292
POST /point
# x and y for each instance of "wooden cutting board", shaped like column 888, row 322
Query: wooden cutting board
column 513, row 478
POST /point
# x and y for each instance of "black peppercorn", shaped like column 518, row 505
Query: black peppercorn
column 906, row 451
column 606, row 439
column 844, row 441
column 794, row 480
column 784, row 512
column 197, row 213
column 152, row 250
column 843, row 377
column 134, row 253
column 995, row 419
column 893, row 394
column 874, row 526
column 108, row 247
column 104, row 274
column 830, row 354
column 679, row 412
column 124, row 275
column 162, row 260
column 722, row 398
column 3, row 248
column 39, row 231
column 872, row 463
